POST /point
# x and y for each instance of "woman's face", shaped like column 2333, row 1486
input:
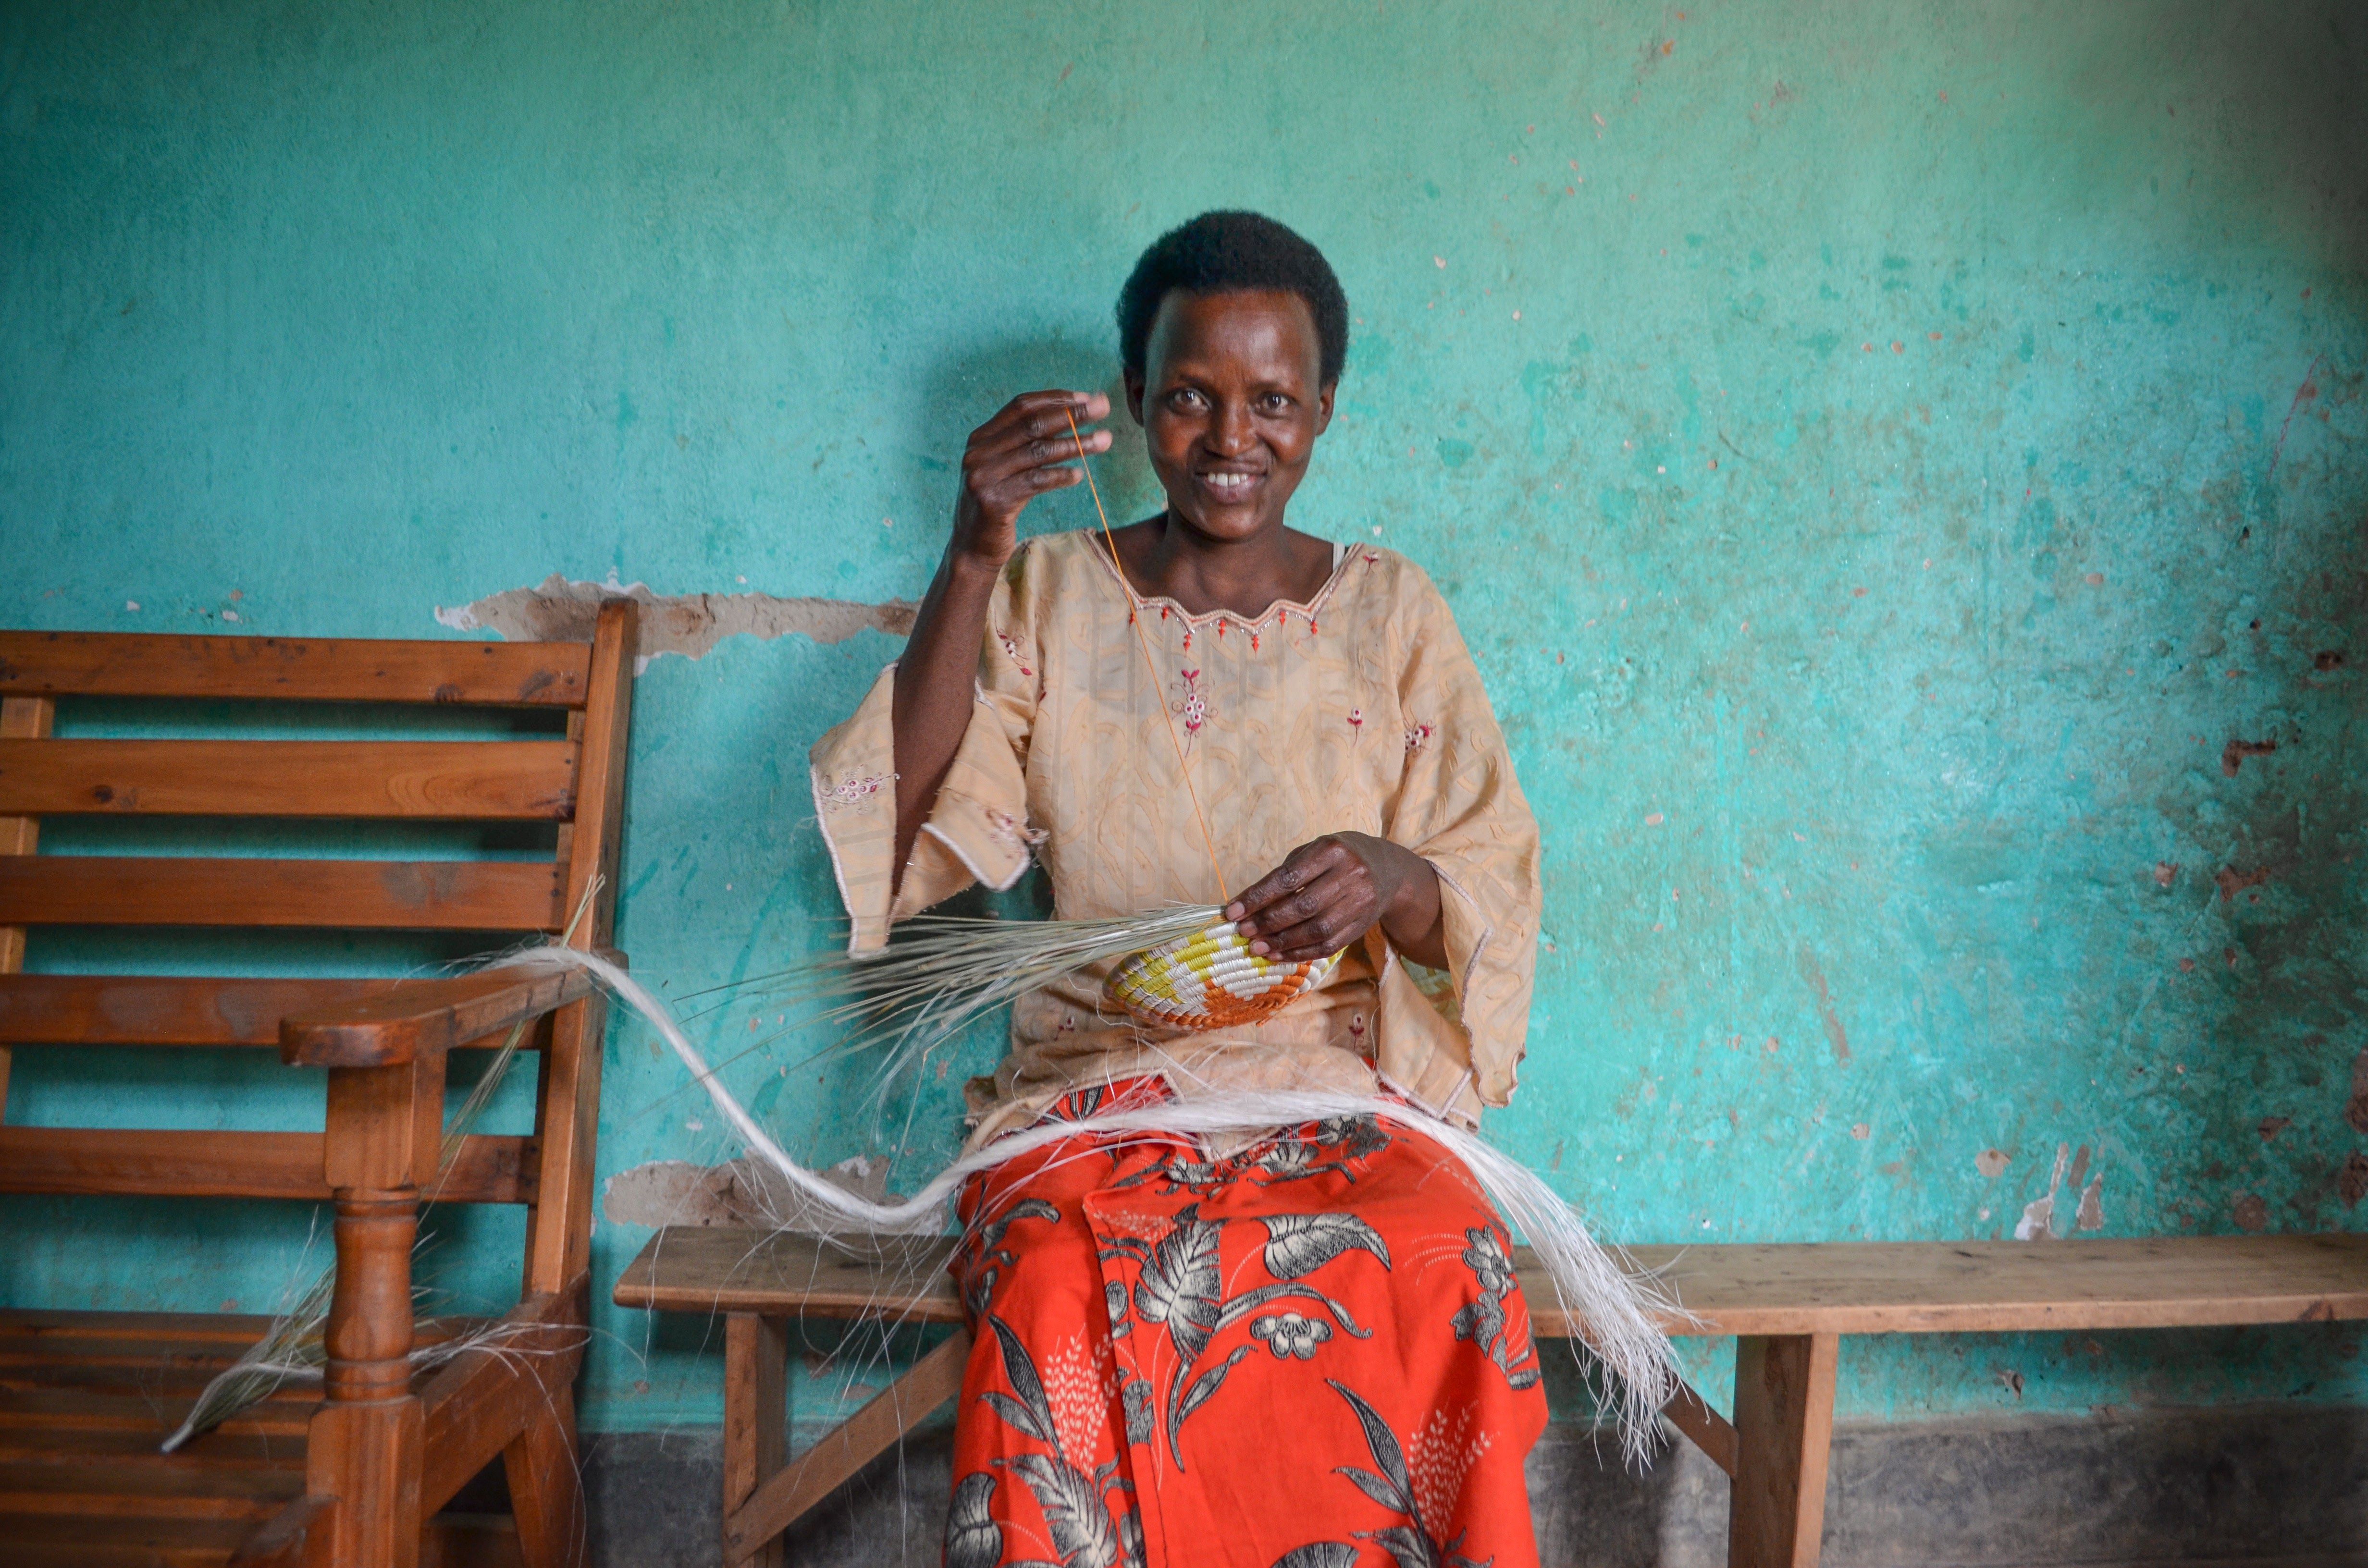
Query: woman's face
column 1231, row 403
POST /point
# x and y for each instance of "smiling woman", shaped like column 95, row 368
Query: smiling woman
column 1255, row 1355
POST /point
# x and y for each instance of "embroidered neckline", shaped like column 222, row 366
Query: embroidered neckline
column 1352, row 555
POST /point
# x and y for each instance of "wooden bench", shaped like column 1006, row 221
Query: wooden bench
column 352, row 1469
column 1787, row 1307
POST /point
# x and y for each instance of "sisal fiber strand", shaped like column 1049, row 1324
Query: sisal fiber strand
column 1621, row 1309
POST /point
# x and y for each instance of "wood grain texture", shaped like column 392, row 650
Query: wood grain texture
column 546, row 1489
column 453, row 781
column 368, row 1456
column 385, row 1125
column 286, row 1538
column 196, row 1010
column 1805, row 1288
column 559, row 1236
column 338, row 1472
column 702, row 1268
column 491, row 1168
column 1703, row 1427
column 104, row 664
column 21, row 719
column 1995, row 1287
column 425, row 1018
column 1783, row 1431
column 756, row 1422
column 480, row 1401
column 847, row 1448
column 373, row 895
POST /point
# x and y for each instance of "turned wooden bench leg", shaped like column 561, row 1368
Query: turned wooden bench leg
column 756, row 1422
column 363, row 1444
column 1784, row 1427
column 762, row 1497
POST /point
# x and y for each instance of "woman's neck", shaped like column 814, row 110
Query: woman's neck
column 1166, row 559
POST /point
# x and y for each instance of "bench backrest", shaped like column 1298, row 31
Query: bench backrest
column 572, row 779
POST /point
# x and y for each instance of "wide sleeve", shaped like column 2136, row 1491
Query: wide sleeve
column 977, row 829
column 1460, row 807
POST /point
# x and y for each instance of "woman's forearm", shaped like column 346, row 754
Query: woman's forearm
column 935, row 682
column 1414, row 923
column 1013, row 458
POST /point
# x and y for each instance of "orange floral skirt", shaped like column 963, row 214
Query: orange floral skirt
column 1309, row 1354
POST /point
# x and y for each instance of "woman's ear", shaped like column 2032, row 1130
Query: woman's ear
column 1324, row 406
column 1134, row 395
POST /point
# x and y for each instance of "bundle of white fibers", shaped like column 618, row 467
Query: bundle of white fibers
column 1621, row 1310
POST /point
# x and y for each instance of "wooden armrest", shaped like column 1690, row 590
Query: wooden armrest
column 416, row 1019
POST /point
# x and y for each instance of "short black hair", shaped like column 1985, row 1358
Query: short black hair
column 1223, row 253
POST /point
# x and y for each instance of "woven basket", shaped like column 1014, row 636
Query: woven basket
column 1211, row 980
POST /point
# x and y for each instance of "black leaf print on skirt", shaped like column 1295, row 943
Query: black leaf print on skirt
column 1299, row 1245
column 973, row 1537
column 1482, row 1320
column 1314, row 1554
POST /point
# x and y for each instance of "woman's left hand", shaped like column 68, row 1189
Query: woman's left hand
column 1331, row 890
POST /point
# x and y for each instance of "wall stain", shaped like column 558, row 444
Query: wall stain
column 689, row 624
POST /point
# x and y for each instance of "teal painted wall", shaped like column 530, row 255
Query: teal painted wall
column 1881, row 457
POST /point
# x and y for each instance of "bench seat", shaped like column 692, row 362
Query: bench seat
column 1786, row 1304
column 87, row 1397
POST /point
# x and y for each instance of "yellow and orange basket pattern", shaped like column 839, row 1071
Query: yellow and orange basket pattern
column 1211, row 980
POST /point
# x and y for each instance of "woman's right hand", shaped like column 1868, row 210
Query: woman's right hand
column 1026, row 450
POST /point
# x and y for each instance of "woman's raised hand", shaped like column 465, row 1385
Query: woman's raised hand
column 1331, row 890
column 1025, row 451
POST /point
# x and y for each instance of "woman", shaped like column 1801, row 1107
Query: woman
column 1308, row 1351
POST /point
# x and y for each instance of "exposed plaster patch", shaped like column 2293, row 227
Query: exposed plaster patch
column 2232, row 755
column 2038, row 1222
column 2234, row 882
column 1991, row 1162
column 689, row 624
column 2351, row 1181
column 2355, row 1109
column 2252, row 1211
column 740, row 1192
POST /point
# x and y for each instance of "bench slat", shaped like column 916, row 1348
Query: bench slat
column 98, row 663
column 2006, row 1286
column 1785, row 1289
column 139, row 1009
column 447, row 780
column 491, row 1168
column 394, row 895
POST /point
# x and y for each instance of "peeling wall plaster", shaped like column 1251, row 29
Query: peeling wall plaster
column 559, row 610
column 739, row 1192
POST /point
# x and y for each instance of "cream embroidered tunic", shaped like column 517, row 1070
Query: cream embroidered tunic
column 1360, row 712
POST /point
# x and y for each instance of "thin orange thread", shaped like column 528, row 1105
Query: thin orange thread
column 1142, row 641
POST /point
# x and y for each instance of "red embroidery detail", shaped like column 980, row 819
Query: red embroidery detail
column 1194, row 707
column 1253, row 641
column 1356, row 720
column 854, row 792
column 1415, row 736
